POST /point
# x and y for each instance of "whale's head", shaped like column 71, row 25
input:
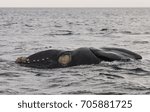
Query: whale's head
column 46, row 59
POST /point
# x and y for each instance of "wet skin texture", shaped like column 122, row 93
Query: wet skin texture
column 81, row 56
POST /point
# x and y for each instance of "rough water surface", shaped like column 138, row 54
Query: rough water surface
column 27, row 31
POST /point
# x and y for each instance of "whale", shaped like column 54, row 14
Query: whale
column 54, row 58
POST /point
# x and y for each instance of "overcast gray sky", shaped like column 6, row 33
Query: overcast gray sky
column 74, row 3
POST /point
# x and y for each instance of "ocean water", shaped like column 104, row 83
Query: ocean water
column 27, row 31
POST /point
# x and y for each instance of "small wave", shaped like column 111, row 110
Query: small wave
column 107, row 83
column 38, row 74
column 70, row 23
column 140, row 73
column 130, row 33
column 58, row 26
column 106, row 29
column 77, row 74
column 95, row 70
column 79, row 92
column 147, row 93
column 53, row 85
column 61, row 32
column 29, row 89
column 44, row 74
column 71, row 84
column 138, row 70
column 27, row 25
column 134, row 33
column 116, row 67
column 132, row 68
column 69, row 71
column 147, row 33
column 126, row 32
column 137, row 88
column 110, row 93
column 96, row 93
column 1, row 60
column 134, row 71
column 9, row 74
column 8, row 24
column 140, row 42
column 111, row 76
column 56, row 80
column 8, row 91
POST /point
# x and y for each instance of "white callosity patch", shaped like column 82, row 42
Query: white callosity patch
column 64, row 59
column 21, row 60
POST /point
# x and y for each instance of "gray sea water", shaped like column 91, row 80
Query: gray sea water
column 27, row 31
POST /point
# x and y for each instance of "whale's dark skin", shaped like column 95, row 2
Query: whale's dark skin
column 80, row 56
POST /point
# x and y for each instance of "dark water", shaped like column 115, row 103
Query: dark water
column 26, row 31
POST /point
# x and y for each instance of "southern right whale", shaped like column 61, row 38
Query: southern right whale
column 54, row 58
